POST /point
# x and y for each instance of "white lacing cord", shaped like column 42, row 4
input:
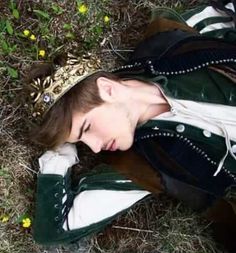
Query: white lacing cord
column 229, row 149
column 219, row 124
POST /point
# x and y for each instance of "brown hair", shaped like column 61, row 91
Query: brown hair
column 57, row 122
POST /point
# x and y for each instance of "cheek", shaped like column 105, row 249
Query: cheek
column 119, row 122
column 114, row 123
column 103, row 126
column 123, row 129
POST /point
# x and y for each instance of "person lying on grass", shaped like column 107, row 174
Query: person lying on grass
column 170, row 110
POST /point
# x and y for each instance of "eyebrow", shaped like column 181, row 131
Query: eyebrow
column 81, row 129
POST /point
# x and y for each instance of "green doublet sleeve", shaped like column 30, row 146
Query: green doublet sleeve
column 55, row 198
column 202, row 85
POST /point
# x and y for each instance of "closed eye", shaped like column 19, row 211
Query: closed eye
column 82, row 130
column 87, row 128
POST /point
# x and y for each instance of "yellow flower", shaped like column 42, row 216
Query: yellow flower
column 32, row 37
column 26, row 32
column 26, row 223
column 5, row 218
column 106, row 19
column 83, row 9
column 42, row 53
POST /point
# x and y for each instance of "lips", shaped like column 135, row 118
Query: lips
column 111, row 146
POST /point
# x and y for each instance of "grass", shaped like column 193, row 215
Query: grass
column 155, row 225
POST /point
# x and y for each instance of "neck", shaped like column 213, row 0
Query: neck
column 147, row 99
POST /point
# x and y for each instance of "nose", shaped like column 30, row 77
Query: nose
column 94, row 143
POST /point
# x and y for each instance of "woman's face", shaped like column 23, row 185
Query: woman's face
column 106, row 127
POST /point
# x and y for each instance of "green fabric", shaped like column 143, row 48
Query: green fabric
column 189, row 13
column 228, row 34
column 202, row 85
column 165, row 12
column 103, row 177
column 45, row 227
column 213, row 146
column 48, row 222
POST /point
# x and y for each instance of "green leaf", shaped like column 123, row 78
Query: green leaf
column 9, row 27
column 13, row 48
column 5, row 46
column 98, row 30
column 12, row 72
column 57, row 9
column 70, row 35
column 67, row 26
column 4, row 173
column 42, row 14
column 2, row 25
column 21, row 217
column 79, row 2
column 16, row 13
column 12, row 5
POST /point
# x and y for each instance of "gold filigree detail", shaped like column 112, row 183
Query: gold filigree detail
column 45, row 93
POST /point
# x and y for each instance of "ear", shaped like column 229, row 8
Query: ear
column 106, row 88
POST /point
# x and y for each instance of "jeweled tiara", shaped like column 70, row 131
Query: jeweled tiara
column 46, row 92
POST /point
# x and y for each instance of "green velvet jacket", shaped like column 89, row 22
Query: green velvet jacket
column 202, row 85
column 196, row 155
column 187, row 66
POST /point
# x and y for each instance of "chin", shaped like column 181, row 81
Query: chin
column 127, row 145
column 123, row 148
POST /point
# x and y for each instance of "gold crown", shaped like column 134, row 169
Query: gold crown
column 45, row 93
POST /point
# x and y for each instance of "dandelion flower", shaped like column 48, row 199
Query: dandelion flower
column 26, row 32
column 26, row 223
column 42, row 53
column 5, row 218
column 106, row 19
column 32, row 37
column 83, row 9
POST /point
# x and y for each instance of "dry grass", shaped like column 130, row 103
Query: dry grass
column 155, row 225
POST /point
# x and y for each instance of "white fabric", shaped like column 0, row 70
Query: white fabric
column 96, row 205
column 58, row 161
column 217, row 26
column 207, row 13
column 203, row 115
column 219, row 119
column 89, row 206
